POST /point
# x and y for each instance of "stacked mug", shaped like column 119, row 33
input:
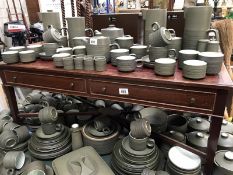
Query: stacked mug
column 100, row 63
column 37, row 48
column 58, row 59
column 68, row 63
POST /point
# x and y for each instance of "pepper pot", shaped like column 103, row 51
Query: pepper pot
column 77, row 140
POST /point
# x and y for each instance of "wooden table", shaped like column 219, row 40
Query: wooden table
column 207, row 96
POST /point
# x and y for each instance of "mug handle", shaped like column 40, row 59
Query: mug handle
column 133, row 54
column 172, row 53
column 115, row 44
column 173, row 32
column 150, row 143
column 127, row 35
column 139, row 63
column 214, row 31
column 155, row 26
column 91, row 30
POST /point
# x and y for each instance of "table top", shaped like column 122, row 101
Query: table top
column 220, row 81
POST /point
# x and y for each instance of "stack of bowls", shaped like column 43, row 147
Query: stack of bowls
column 65, row 50
column 100, row 63
column 79, row 50
column 150, row 16
column 68, row 63
column 197, row 22
column 102, row 136
column 125, row 42
column 214, row 61
column 165, row 66
column 190, row 164
column 117, row 53
column 27, row 56
column 17, row 48
column 139, row 50
column 10, row 57
column 50, row 48
column 58, row 59
column 88, row 63
column 80, row 41
column 78, row 62
column 127, row 63
column 186, row 55
column 37, row 48
column 194, row 69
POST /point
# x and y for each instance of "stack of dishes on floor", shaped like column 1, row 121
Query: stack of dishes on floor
column 101, row 134
column 51, row 140
column 181, row 161
column 137, row 151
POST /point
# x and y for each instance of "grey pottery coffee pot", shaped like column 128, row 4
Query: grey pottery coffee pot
column 99, row 46
column 76, row 28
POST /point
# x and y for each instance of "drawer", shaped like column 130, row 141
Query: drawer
column 45, row 81
column 160, row 96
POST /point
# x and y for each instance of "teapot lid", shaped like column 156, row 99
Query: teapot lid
column 199, row 139
column 224, row 159
column 199, row 124
column 225, row 140
column 176, row 135
column 227, row 126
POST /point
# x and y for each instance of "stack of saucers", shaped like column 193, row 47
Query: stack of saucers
column 78, row 62
column 79, row 50
column 17, row 48
column 139, row 50
column 214, row 61
column 165, row 66
column 10, row 57
column 68, row 63
column 190, row 164
column 117, row 53
column 37, row 48
column 27, row 56
column 88, row 63
column 186, row 55
column 50, row 48
column 100, row 63
column 194, row 69
column 58, row 59
column 197, row 22
column 65, row 50
column 157, row 52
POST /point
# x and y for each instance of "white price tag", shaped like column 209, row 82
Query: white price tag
column 14, row 27
column 93, row 41
column 123, row 91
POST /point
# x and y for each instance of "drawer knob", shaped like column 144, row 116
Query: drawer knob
column 192, row 101
column 14, row 79
column 72, row 85
column 104, row 89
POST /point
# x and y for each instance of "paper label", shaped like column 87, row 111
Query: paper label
column 123, row 91
column 93, row 41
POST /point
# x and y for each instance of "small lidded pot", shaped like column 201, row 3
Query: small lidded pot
column 198, row 140
column 223, row 161
column 225, row 141
column 198, row 124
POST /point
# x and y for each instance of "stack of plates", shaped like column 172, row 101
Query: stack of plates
column 214, row 61
column 126, row 161
column 50, row 48
column 157, row 52
column 117, row 53
column 79, row 50
column 10, row 57
column 17, row 48
column 37, row 48
column 147, row 63
column 165, row 66
column 43, row 146
column 27, row 56
column 100, row 63
column 102, row 140
column 58, row 59
column 65, row 50
column 68, row 63
column 88, row 63
column 190, row 164
column 139, row 50
column 150, row 16
column 78, row 62
column 194, row 69
column 197, row 22
column 126, row 63
column 186, row 55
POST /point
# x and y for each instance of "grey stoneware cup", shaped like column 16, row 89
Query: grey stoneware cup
column 212, row 46
column 50, row 128
column 8, row 139
column 78, row 62
column 35, row 168
column 10, row 126
column 100, row 103
column 22, row 133
column 48, row 115
column 14, row 160
column 138, row 144
column 140, row 128
column 88, row 63
column 202, row 45
column 165, row 66
column 76, row 134
column 100, row 63
column 128, row 63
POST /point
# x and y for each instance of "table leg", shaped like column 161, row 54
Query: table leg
column 11, row 98
column 215, row 128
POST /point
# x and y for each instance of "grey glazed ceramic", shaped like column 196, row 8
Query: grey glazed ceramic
column 223, row 161
column 80, row 41
column 14, row 160
column 165, row 66
column 51, row 18
column 125, row 42
column 68, row 63
column 79, row 50
column 78, row 62
column 58, row 59
column 138, row 50
column 27, row 56
column 227, row 126
column 22, row 133
column 38, row 48
column 65, row 50
column 140, row 128
column 177, row 123
column 48, row 115
column 198, row 140
column 52, row 35
column 161, row 52
column 194, row 69
column 116, row 53
column 49, row 128
column 213, row 46
column 35, row 167
column 17, row 48
column 128, row 63
column 88, row 63
column 186, row 55
column 202, row 45
column 100, row 63
column 76, row 134
column 225, row 141
column 112, row 32
column 8, row 139
column 199, row 124
column 138, row 144
column 50, row 48
column 10, row 57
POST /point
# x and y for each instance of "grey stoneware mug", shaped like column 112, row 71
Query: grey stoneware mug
column 14, row 160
